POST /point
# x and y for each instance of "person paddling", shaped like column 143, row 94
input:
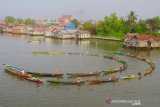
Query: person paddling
column 57, row 72
column 113, row 78
column 22, row 72
column 139, row 74
column 78, row 80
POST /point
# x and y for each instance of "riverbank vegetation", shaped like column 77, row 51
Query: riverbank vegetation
column 116, row 27
column 110, row 27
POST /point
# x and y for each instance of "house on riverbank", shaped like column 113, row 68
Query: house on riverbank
column 134, row 40
column 1, row 29
column 38, row 31
column 82, row 34
column 19, row 30
column 66, row 34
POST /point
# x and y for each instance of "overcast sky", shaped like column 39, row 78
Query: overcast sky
column 81, row 9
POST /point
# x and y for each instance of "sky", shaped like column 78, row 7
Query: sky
column 80, row 9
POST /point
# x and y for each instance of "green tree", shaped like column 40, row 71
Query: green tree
column 140, row 27
column 10, row 19
column 132, row 17
column 153, row 24
column 75, row 22
column 19, row 21
column 89, row 26
column 29, row 21
column 112, row 26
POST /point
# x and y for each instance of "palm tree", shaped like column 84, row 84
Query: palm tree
column 132, row 17
column 153, row 24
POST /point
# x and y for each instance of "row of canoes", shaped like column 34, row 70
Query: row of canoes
column 146, row 72
column 15, row 71
column 119, row 69
column 88, row 74
column 95, row 81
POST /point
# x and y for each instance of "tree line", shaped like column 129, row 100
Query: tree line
column 11, row 20
column 114, row 26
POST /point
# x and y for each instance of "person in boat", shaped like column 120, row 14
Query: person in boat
column 121, row 67
column 22, row 72
column 129, row 75
column 113, row 78
column 78, row 80
column 139, row 74
column 97, row 72
column 57, row 72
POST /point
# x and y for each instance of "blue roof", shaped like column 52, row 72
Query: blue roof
column 70, row 26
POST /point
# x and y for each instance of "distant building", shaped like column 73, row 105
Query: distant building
column 141, row 41
column 39, row 23
column 70, row 26
column 19, row 30
column 3, row 23
column 7, row 29
column 1, row 29
column 65, row 18
column 66, row 34
column 38, row 31
column 82, row 34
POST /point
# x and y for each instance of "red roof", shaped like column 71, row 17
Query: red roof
column 64, row 17
column 2, row 22
column 18, row 27
column 66, row 23
column 157, row 39
column 144, row 37
column 39, row 29
column 39, row 22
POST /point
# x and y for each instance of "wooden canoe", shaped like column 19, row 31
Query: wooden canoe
column 129, row 77
column 84, row 74
column 16, row 71
column 66, row 82
column 45, row 74
column 98, row 81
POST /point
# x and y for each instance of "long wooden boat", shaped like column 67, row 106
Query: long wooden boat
column 67, row 82
column 84, row 74
column 129, row 77
column 106, row 72
column 98, row 81
column 45, row 74
column 17, row 72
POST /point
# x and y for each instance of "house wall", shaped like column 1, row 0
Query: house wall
column 48, row 34
column 37, row 33
column 66, row 36
column 81, row 36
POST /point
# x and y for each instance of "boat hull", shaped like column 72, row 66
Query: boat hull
column 45, row 74
column 67, row 82
column 83, row 74
column 98, row 81
column 16, row 72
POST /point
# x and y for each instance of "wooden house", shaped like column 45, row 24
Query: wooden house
column 66, row 34
column 7, row 29
column 65, row 18
column 82, row 34
column 1, row 29
column 29, row 30
column 48, row 32
column 141, row 41
column 38, row 31
column 19, row 30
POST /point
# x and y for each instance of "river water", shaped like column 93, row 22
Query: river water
column 16, row 50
